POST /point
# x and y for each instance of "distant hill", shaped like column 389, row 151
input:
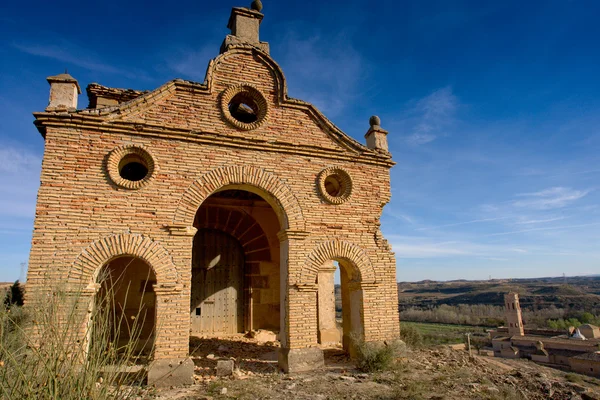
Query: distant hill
column 578, row 293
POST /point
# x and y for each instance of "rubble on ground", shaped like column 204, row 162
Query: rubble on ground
column 438, row 373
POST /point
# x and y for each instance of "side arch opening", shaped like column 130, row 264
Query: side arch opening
column 124, row 316
column 339, row 305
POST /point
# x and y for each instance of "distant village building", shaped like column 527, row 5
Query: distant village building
column 575, row 350
column 514, row 317
column 590, row 331
column 221, row 205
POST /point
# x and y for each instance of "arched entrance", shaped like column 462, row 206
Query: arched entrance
column 125, row 306
column 217, row 305
column 235, row 265
column 344, row 302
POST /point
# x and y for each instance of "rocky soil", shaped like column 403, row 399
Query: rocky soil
column 440, row 373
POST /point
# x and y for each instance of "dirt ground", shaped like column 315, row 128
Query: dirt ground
column 440, row 373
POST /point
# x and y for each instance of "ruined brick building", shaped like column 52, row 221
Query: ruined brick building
column 577, row 350
column 224, row 202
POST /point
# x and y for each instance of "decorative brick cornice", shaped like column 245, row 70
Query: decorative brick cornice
column 284, row 101
column 95, row 91
column 95, row 123
column 181, row 230
column 370, row 286
column 99, row 117
column 307, row 288
column 287, row 234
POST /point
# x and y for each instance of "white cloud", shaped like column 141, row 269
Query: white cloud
column 434, row 114
column 555, row 197
column 398, row 215
column 552, row 228
column 19, row 181
column 325, row 71
column 476, row 221
column 191, row 64
column 427, row 250
column 517, row 250
column 538, row 221
column 72, row 54
column 13, row 160
column 424, row 248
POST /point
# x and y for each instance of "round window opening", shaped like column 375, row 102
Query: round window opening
column 130, row 167
column 133, row 168
column 335, row 185
column 244, row 107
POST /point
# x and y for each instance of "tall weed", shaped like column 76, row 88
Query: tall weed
column 63, row 347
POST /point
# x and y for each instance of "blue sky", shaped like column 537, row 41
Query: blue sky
column 492, row 108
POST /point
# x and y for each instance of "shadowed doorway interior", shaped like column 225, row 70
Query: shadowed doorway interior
column 235, row 266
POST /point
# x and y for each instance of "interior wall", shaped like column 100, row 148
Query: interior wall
column 263, row 274
column 127, row 289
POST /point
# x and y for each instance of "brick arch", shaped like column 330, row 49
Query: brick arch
column 238, row 224
column 256, row 180
column 95, row 256
column 337, row 250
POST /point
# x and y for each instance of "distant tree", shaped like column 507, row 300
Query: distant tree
column 587, row 318
column 14, row 296
column 573, row 322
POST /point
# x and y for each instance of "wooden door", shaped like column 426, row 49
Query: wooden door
column 217, row 276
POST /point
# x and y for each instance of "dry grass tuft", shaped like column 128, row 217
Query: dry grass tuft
column 43, row 356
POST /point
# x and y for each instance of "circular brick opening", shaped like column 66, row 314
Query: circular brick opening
column 244, row 107
column 335, row 185
column 130, row 167
column 133, row 168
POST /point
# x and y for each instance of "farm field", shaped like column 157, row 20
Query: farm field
column 435, row 334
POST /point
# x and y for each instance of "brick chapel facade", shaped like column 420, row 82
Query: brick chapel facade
column 223, row 201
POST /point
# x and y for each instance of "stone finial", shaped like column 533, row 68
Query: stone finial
column 257, row 5
column 376, row 136
column 64, row 90
column 245, row 28
column 375, row 121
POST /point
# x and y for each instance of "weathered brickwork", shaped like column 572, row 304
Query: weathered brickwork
column 84, row 219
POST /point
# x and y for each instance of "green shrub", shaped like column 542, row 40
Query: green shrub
column 411, row 336
column 375, row 356
column 562, row 324
column 574, row 378
column 14, row 295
